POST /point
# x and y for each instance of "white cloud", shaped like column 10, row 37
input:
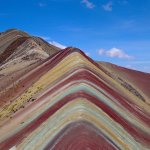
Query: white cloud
column 115, row 53
column 107, row 6
column 88, row 4
column 57, row 44
column 87, row 53
column 101, row 51
column 49, row 40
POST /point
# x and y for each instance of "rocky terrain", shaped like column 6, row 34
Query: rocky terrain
column 60, row 99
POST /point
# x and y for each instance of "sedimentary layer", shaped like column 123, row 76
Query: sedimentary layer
column 70, row 102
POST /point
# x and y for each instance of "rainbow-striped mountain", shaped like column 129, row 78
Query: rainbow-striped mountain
column 60, row 99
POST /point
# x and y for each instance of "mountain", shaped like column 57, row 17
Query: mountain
column 135, row 81
column 63, row 100
column 19, row 54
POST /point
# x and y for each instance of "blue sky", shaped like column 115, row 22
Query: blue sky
column 116, row 31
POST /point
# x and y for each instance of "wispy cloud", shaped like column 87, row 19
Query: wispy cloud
column 108, row 6
column 42, row 4
column 88, row 4
column 115, row 53
column 50, row 41
column 57, row 44
column 101, row 51
column 87, row 53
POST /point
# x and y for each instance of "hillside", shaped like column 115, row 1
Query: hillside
column 19, row 54
column 56, row 99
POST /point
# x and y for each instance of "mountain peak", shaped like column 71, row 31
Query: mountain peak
column 52, row 98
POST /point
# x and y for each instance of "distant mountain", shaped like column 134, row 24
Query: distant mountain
column 55, row 99
column 136, row 82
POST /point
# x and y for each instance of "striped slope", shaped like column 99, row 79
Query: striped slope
column 135, row 81
column 69, row 102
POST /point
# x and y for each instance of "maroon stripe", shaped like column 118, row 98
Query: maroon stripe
column 81, row 135
column 139, row 135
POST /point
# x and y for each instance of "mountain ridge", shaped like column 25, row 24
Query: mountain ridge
column 70, row 90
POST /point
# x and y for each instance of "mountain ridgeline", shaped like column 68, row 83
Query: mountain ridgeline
column 61, row 99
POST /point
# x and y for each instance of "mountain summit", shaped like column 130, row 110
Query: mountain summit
column 61, row 99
